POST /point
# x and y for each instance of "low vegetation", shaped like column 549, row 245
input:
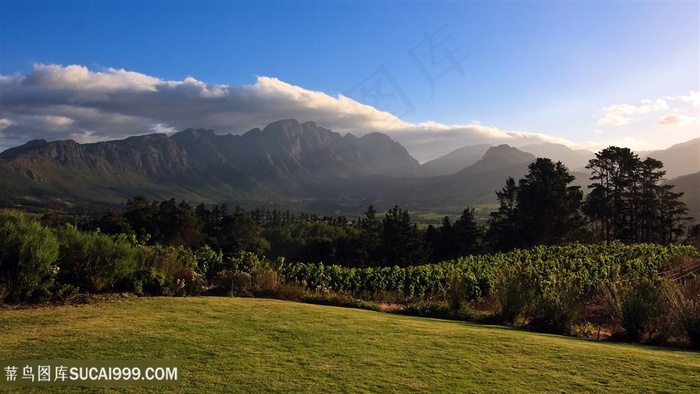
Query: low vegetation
column 255, row 346
column 544, row 288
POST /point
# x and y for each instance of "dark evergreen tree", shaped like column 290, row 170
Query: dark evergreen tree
column 503, row 232
column 673, row 216
column 370, row 238
column 541, row 210
column 629, row 202
column 238, row 232
column 142, row 215
column 114, row 223
column 467, row 235
column 608, row 205
column 548, row 208
column 402, row 242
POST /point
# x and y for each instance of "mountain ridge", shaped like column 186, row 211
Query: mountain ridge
column 285, row 161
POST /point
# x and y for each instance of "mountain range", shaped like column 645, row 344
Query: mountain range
column 286, row 162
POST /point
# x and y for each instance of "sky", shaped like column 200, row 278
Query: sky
column 434, row 76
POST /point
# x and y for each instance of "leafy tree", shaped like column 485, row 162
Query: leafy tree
column 548, row 208
column 503, row 232
column 239, row 233
column 672, row 216
column 467, row 234
column 370, row 237
column 607, row 205
column 178, row 225
column 402, row 242
column 142, row 215
column 114, row 223
column 629, row 202
column 442, row 241
column 541, row 210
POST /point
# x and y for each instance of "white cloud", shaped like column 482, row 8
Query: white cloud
column 622, row 114
column 162, row 128
column 52, row 121
column 674, row 120
column 693, row 98
column 72, row 102
column 80, row 78
column 5, row 123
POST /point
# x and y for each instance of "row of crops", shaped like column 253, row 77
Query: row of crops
column 587, row 265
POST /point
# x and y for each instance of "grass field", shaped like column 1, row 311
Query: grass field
column 258, row 345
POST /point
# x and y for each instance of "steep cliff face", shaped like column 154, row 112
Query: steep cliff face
column 285, row 157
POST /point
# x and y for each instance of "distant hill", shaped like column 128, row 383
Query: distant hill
column 475, row 184
column 287, row 162
column 574, row 159
column 456, row 160
column 680, row 159
column 690, row 186
column 463, row 157
column 284, row 160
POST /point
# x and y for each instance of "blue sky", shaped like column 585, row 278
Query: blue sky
column 438, row 75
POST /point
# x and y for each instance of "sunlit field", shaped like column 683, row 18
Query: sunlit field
column 259, row 345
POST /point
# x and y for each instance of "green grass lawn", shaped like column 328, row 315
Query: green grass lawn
column 258, row 345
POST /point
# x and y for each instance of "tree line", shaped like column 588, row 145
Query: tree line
column 627, row 201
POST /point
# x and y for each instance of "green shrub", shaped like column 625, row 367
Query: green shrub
column 209, row 262
column 558, row 306
column 637, row 305
column 94, row 261
column 514, row 287
column 470, row 314
column 28, row 250
column 684, row 303
column 146, row 281
column 64, row 292
column 291, row 291
column 433, row 309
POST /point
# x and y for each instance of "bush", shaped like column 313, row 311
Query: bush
column 684, row 303
column 94, row 261
column 146, row 281
column 187, row 282
column 433, row 309
column 263, row 280
column 558, row 306
column 234, row 283
column 28, row 251
column 457, row 292
column 637, row 306
column 291, row 291
column 514, row 288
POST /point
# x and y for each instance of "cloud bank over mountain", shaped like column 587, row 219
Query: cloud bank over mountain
column 55, row 102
